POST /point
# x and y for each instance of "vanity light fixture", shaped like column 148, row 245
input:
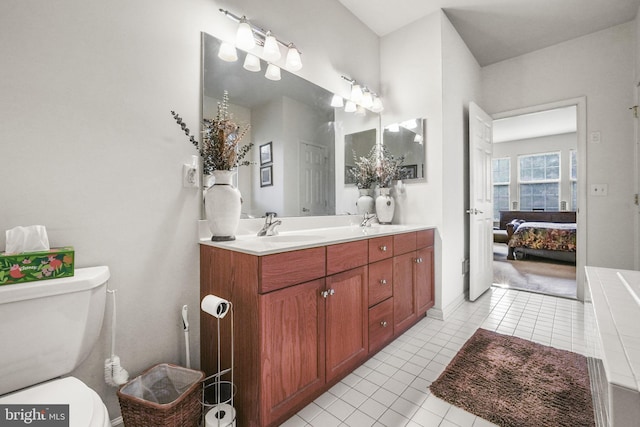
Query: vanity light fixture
column 227, row 52
column 244, row 35
column 273, row 72
column 359, row 96
column 248, row 35
column 337, row 101
column 350, row 107
column 360, row 111
column 251, row 63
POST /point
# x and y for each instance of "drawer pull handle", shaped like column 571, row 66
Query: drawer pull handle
column 383, row 323
column 383, row 248
column 383, row 281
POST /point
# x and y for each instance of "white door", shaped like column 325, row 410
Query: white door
column 480, row 202
column 313, row 180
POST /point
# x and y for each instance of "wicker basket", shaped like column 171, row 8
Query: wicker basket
column 163, row 396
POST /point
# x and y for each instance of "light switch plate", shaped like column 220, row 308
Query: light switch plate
column 594, row 137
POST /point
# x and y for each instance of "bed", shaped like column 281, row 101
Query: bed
column 542, row 234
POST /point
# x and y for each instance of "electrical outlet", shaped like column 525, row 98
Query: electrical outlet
column 189, row 176
column 599, row 189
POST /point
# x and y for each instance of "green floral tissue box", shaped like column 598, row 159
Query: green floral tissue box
column 30, row 266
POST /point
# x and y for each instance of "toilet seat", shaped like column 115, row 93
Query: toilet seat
column 86, row 409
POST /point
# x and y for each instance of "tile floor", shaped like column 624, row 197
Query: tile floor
column 392, row 388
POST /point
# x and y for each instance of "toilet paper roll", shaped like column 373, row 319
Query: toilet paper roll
column 215, row 306
column 223, row 415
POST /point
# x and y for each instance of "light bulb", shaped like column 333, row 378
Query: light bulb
column 273, row 72
column 367, row 100
column 252, row 63
column 244, row 36
column 350, row 107
column 227, row 52
column 360, row 111
column 377, row 105
column 271, row 50
column 356, row 93
column 337, row 101
column 294, row 63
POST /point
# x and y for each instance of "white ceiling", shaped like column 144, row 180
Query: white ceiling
column 495, row 30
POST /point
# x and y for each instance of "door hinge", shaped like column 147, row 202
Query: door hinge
column 635, row 111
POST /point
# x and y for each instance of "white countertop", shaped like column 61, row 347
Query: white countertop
column 617, row 313
column 295, row 238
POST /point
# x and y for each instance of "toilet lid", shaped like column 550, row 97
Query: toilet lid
column 85, row 406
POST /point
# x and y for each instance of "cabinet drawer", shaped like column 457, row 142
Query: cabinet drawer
column 403, row 243
column 346, row 256
column 424, row 238
column 380, row 324
column 278, row 271
column 380, row 248
column 380, row 281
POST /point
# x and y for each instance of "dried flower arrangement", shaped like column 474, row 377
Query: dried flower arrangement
column 220, row 138
column 364, row 174
column 389, row 168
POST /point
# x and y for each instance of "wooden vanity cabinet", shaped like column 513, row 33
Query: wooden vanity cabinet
column 304, row 319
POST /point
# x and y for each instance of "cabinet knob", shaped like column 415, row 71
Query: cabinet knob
column 332, row 291
column 383, row 323
column 324, row 294
column 418, row 260
column 383, row 281
column 383, row 248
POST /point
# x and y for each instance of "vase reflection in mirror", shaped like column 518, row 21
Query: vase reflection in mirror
column 385, row 206
column 222, row 204
column 365, row 203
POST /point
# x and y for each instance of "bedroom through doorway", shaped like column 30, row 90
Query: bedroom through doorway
column 536, row 193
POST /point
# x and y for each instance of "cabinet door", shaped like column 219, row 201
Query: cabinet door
column 346, row 321
column 404, row 303
column 292, row 347
column 423, row 270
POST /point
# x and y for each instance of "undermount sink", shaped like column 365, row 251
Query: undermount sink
column 291, row 238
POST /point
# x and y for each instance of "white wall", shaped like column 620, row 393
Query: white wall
column 600, row 67
column 92, row 152
column 428, row 71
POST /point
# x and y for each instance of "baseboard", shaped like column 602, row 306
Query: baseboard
column 117, row 422
column 442, row 314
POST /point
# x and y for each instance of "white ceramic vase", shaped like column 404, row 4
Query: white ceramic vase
column 365, row 203
column 222, row 205
column 385, row 205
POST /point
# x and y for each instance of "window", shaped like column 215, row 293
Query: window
column 573, row 178
column 539, row 181
column 501, row 181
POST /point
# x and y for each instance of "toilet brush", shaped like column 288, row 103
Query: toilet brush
column 114, row 374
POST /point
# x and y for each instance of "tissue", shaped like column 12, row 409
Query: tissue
column 32, row 238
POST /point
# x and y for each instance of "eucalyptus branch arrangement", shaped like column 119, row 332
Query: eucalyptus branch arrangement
column 364, row 174
column 389, row 168
column 221, row 136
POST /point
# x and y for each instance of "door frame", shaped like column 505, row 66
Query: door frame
column 581, row 214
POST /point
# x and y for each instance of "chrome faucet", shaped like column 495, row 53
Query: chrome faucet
column 366, row 219
column 269, row 227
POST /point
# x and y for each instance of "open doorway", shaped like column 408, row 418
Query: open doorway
column 537, row 196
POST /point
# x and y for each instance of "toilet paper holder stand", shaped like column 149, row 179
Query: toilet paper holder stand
column 218, row 389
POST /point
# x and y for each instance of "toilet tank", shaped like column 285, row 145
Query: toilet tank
column 47, row 328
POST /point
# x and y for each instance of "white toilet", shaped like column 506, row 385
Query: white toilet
column 47, row 329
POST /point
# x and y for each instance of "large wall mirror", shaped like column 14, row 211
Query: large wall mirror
column 303, row 173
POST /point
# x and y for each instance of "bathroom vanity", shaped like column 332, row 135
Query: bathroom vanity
column 310, row 308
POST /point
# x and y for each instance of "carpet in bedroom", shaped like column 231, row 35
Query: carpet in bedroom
column 533, row 274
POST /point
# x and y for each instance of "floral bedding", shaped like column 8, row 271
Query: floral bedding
column 545, row 235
